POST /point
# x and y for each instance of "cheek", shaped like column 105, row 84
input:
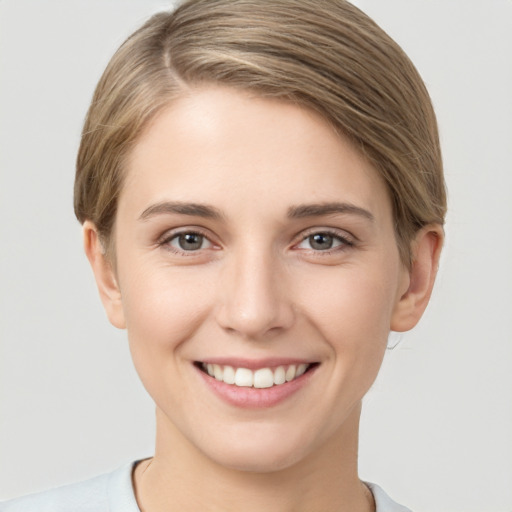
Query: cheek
column 163, row 308
column 354, row 300
column 352, row 308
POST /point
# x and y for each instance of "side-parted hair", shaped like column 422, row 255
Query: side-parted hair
column 324, row 55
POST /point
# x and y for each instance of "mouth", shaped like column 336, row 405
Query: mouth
column 258, row 378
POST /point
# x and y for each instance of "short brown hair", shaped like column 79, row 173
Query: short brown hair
column 324, row 55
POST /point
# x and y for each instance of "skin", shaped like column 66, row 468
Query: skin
column 257, row 287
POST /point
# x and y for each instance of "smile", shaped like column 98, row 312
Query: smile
column 259, row 378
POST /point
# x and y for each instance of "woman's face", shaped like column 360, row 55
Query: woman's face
column 253, row 242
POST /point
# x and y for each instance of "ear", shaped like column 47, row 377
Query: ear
column 426, row 250
column 104, row 274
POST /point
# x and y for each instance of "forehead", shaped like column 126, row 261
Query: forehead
column 226, row 147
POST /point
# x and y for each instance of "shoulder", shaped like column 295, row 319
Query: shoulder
column 383, row 503
column 83, row 496
column 111, row 492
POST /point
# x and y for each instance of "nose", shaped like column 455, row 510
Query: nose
column 254, row 300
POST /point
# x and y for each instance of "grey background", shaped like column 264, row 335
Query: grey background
column 436, row 425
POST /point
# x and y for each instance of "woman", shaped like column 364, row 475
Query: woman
column 261, row 192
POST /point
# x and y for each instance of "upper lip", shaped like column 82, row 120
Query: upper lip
column 254, row 364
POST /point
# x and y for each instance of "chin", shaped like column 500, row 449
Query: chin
column 259, row 452
column 258, row 461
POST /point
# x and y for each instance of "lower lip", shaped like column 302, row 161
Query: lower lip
column 252, row 398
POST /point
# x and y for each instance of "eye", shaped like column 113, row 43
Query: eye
column 324, row 241
column 189, row 242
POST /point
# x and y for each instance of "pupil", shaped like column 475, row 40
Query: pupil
column 190, row 241
column 321, row 241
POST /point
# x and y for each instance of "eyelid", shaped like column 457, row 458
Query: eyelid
column 205, row 242
column 335, row 232
column 347, row 240
column 165, row 239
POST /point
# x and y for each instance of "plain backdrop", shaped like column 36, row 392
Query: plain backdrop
column 436, row 429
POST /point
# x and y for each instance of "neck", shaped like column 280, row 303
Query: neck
column 179, row 477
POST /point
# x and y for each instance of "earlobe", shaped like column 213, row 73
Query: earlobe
column 412, row 302
column 104, row 274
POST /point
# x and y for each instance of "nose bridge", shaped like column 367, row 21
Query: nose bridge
column 253, row 300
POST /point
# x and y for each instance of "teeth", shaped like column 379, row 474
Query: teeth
column 279, row 375
column 300, row 370
column 290, row 373
column 229, row 375
column 243, row 377
column 217, row 372
column 261, row 378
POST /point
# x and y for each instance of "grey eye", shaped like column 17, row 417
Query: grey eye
column 189, row 241
column 321, row 241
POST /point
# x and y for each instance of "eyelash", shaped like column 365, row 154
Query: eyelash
column 167, row 238
column 345, row 241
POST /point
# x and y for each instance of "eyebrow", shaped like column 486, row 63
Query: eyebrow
column 294, row 212
column 181, row 208
column 320, row 209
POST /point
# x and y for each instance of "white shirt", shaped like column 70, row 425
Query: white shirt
column 113, row 492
